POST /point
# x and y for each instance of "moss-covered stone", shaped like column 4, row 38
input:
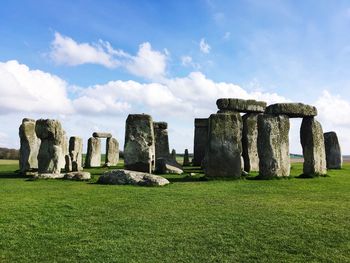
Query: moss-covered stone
column 239, row 105
column 334, row 157
column 224, row 148
column 273, row 146
column 250, row 142
column 312, row 141
column 200, row 140
column 292, row 110
column 139, row 147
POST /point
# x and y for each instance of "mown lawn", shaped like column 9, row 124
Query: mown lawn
column 190, row 220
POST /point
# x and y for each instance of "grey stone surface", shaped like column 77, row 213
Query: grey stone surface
column 161, row 140
column 50, row 156
column 334, row 157
column 273, row 146
column 312, row 141
column 77, row 176
column 173, row 154
column 76, row 153
column 168, row 165
column 30, row 143
column 200, row 140
column 186, row 161
column 102, row 135
column 49, row 175
column 139, row 147
column 93, row 155
column 224, row 148
column 124, row 177
column 112, row 152
column 68, row 164
column 292, row 110
column 65, row 151
column 239, row 105
column 250, row 142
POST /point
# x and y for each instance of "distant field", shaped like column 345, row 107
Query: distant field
column 190, row 220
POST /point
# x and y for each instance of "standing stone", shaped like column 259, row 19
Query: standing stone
column 173, row 154
column 139, row 149
column 76, row 153
column 161, row 139
column 250, row 142
column 112, row 152
column 28, row 153
column 333, row 152
column 186, row 161
column 93, row 155
column 50, row 156
column 65, row 151
column 224, row 149
column 273, row 146
column 200, row 140
column 68, row 166
column 312, row 141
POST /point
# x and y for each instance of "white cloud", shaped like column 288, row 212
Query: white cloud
column 148, row 63
column 204, row 46
column 37, row 94
column 187, row 61
column 64, row 50
column 25, row 90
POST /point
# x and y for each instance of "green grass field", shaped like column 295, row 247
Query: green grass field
column 190, row 220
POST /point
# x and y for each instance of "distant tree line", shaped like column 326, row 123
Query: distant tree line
column 9, row 154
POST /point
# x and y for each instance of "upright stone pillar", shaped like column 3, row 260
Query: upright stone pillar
column 161, row 139
column 30, row 143
column 224, row 148
column 250, row 142
column 273, row 145
column 93, row 155
column 312, row 141
column 200, row 140
column 50, row 156
column 112, row 151
column 173, row 154
column 334, row 157
column 186, row 161
column 76, row 153
column 139, row 148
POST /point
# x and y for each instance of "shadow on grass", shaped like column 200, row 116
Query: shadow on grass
column 311, row 176
column 11, row 175
column 187, row 179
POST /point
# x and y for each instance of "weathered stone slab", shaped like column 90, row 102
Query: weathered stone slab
column 124, row 177
column 93, row 155
column 139, row 148
column 250, row 142
column 76, row 153
column 312, row 141
column 168, row 165
column 68, row 164
column 77, row 176
column 112, row 152
column 186, row 161
column 224, row 149
column 273, row 146
column 30, row 143
column 173, row 154
column 292, row 110
column 102, row 135
column 200, row 140
column 49, row 176
column 50, row 156
column 239, row 105
column 161, row 139
column 334, row 157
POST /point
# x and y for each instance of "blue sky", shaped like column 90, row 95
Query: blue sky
column 180, row 55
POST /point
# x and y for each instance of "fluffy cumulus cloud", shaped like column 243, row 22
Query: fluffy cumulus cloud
column 34, row 93
column 147, row 63
column 26, row 90
column 204, row 46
